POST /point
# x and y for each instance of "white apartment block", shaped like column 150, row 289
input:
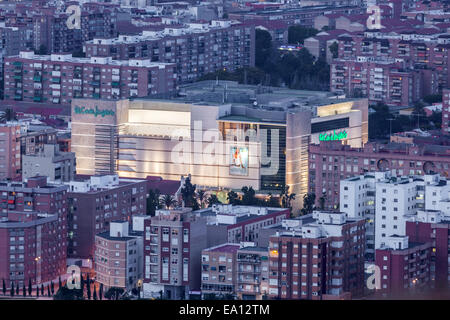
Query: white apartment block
column 387, row 201
column 357, row 199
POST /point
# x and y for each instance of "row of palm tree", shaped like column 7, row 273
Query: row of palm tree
column 199, row 199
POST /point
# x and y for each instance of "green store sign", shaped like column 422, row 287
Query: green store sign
column 335, row 136
column 96, row 112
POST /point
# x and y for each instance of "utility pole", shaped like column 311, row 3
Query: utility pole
column 390, row 127
column 418, row 118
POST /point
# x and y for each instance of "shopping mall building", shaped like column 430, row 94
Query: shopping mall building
column 224, row 134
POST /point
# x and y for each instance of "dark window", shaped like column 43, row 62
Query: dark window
column 329, row 125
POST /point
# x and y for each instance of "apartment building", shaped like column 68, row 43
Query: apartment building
column 52, row 33
column 219, row 270
column 252, row 273
column 33, row 139
column 119, row 256
column 320, row 260
column 10, row 166
column 13, row 39
column 235, row 224
column 445, row 111
column 96, row 201
column 433, row 226
column 426, row 52
column 385, row 80
column 196, row 48
column 331, row 162
column 303, row 16
column 396, row 198
column 173, row 244
column 57, row 166
column 33, row 231
column 404, row 266
column 357, row 200
column 59, row 78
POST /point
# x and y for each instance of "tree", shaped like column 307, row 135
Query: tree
column 65, row 293
column 263, row 47
column 37, row 291
column 24, row 290
column 113, row 293
column 286, row 197
column 436, row 119
column 17, row 289
column 100, row 291
column 59, row 282
column 12, row 289
column 88, row 287
column 433, row 98
column 30, row 288
column 42, row 289
column 82, row 283
column 233, row 198
column 168, row 201
column 322, row 201
column 42, row 49
column 8, row 115
column 334, row 49
column 308, row 203
column 95, row 293
column 273, row 202
column 52, row 287
column 201, row 197
column 48, row 290
column 153, row 202
column 212, row 200
column 4, row 287
column 188, row 194
column 298, row 34
column 248, row 197
column 378, row 125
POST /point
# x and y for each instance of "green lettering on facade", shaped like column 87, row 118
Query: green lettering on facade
column 335, row 136
column 96, row 112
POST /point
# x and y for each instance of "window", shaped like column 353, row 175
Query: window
column 165, row 233
column 185, row 235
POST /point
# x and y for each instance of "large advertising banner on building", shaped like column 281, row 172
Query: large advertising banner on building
column 239, row 161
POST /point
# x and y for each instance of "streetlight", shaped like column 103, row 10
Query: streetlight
column 37, row 259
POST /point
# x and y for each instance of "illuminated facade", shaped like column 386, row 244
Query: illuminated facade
column 143, row 138
column 223, row 138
